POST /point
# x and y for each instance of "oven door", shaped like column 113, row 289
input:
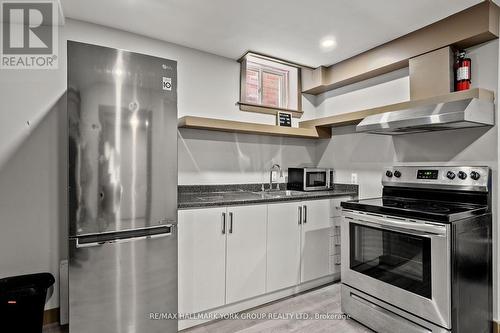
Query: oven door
column 316, row 179
column 404, row 263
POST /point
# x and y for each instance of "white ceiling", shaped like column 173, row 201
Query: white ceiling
column 289, row 29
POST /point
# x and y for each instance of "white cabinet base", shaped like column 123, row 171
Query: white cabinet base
column 259, row 300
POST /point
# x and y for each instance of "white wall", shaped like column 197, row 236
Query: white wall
column 32, row 156
column 362, row 154
column 225, row 158
column 367, row 154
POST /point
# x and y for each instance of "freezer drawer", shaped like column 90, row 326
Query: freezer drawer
column 116, row 285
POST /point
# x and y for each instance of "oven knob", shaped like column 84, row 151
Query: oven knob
column 450, row 175
column 397, row 174
column 462, row 175
column 388, row 173
column 475, row 175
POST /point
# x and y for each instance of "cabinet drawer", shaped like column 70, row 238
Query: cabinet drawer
column 334, row 245
column 334, row 264
column 335, row 223
column 335, row 209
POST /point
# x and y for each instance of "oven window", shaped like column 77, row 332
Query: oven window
column 314, row 179
column 396, row 258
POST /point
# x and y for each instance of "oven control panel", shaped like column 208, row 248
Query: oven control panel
column 427, row 174
column 474, row 178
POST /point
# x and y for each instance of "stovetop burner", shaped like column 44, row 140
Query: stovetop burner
column 431, row 207
column 416, row 208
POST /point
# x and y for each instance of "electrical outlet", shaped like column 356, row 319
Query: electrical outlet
column 354, row 178
column 274, row 176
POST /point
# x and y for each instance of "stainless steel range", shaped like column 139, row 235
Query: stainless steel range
column 419, row 259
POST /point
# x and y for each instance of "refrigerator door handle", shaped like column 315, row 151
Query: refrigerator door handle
column 84, row 245
column 170, row 227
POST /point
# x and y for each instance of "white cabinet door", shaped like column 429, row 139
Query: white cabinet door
column 202, row 251
column 315, row 240
column 246, row 252
column 283, row 245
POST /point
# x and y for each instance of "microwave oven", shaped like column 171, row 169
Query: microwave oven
column 310, row 179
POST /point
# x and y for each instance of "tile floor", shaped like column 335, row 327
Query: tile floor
column 322, row 300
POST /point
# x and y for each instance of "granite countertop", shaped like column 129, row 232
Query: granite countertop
column 242, row 194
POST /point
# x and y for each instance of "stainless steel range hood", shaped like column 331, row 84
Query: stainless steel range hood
column 470, row 112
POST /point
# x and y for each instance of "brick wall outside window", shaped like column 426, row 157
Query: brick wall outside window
column 252, row 86
column 271, row 89
column 269, row 84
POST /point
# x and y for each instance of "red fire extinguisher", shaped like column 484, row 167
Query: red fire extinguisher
column 462, row 72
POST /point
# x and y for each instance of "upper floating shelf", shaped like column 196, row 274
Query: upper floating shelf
column 221, row 125
column 353, row 118
column 472, row 26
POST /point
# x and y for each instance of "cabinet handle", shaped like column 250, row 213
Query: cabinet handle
column 300, row 215
column 305, row 214
column 223, row 223
column 230, row 222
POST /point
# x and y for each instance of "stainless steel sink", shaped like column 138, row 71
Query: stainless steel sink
column 279, row 194
column 246, row 195
column 230, row 195
column 211, row 198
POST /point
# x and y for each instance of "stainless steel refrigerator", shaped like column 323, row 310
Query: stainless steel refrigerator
column 122, row 128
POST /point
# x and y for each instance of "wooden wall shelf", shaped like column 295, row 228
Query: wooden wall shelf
column 268, row 110
column 252, row 128
column 321, row 128
column 353, row 118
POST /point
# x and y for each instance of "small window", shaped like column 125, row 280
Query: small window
column 269, row 84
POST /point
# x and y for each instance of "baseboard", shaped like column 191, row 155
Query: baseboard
column 51, row 316
column 496, row 326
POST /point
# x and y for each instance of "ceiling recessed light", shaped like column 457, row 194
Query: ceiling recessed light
column 328, row 43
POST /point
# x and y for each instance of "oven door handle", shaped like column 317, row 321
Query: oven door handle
column 414, row 228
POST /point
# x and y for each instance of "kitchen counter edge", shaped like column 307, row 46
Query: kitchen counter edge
column 307, row 196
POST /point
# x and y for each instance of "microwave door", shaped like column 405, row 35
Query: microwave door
column 315, row 180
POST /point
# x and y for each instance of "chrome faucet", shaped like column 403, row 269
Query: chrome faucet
column 274, row 167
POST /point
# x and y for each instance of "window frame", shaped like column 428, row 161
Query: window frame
column 269, row 109
column 283, row 86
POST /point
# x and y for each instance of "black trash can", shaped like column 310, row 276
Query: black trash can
column 22, row 301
